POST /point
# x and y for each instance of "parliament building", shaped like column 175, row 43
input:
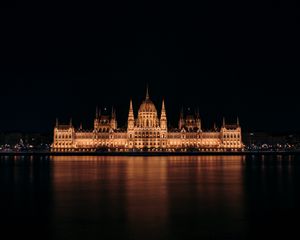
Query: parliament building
column 148, row 131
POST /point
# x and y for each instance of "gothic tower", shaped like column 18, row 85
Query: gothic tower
column 198, row 120
column 96, row 121
column 163, row 126
column 113, row 120
column 181, row 120
column 130, row 126
column 130, row 117
column 163, row 117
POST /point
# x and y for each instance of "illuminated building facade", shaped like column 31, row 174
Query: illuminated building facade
column 147, row 132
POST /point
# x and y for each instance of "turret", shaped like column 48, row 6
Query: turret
column 198, row 119
column 131, row 116
column 113, row 120
column 215, row 127
column 96, row 121
column 163, row 117
column 181, row 119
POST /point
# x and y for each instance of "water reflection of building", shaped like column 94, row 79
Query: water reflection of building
column 147, row 197
column 89, row 189
column 148, row 131
column 205, row 193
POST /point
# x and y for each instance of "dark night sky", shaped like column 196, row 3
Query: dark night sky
column 64, row 64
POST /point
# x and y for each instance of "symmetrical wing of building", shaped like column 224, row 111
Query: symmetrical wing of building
column 147, row 132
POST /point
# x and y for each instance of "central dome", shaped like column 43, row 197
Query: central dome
column 147, row 106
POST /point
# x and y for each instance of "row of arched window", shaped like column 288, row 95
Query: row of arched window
column 232, row 143
column 147, row 134
column 63, row 136
column 232, row 135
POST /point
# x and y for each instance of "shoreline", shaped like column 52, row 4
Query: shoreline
column 149, row 153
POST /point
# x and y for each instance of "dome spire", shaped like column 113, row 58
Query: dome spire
column 163, row 105
column 147, row 93
column 130, row 105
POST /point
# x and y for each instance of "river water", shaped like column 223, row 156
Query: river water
column 194, row 197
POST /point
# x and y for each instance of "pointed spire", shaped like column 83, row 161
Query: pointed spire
column 181, row 119
column 147, row 93
column 56, row 123
column 96, row 111
column 237, row 121
column 113, row 112
column 163, row 105
column 215, row 126
column 70, row 122
column 130, row 116
column 130, row 105
column 181, row 112
column 80, row 127
column 163, row 110
column 223, row 121
column 130, row 113
column 163, row 116
column 113, row 121
column 197, row 113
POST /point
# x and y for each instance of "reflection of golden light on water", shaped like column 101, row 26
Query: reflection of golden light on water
column 89, row 188
column 88, row 168
column 213, row 175
column 207, row 186
column 147, row 195
column 147, row 191
column 116, row 187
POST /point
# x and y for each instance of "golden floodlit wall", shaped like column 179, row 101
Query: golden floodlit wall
column 148, row 132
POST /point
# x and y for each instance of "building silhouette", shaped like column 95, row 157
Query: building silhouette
column 148, row 131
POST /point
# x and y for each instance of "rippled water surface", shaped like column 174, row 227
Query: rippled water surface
column 95, row 197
